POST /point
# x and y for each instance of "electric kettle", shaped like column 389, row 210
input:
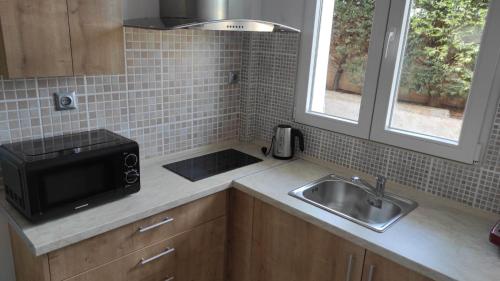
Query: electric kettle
column 283, row 142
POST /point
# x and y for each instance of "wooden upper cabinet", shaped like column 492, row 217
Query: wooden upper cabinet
column 35, row 37
column 378, row 268
column 287, row 248
column 97, row 36
column 44, row 38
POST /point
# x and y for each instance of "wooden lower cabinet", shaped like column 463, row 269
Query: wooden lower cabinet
column 104, row 248
column 229, row 236
column 377, row 268
column 197, row 254
column 27, row 267
column 239, row 236
column 286, row 248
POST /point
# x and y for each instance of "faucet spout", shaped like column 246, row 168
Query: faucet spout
column 378, row 191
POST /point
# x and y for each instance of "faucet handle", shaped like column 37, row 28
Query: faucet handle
column 381, row 179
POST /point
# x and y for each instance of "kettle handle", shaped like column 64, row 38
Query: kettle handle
column 298, row 133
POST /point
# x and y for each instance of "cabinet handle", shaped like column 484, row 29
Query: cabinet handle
column 349, row 267
column 166, row 252
column 370, row 272
column 169, row 279
column 146, row 228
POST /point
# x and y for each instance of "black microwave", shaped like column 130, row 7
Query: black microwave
column 53, row 176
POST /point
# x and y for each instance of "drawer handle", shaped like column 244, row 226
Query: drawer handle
column 370, row 272
column 169, row 279
column 349, row 268
column 165, row 221
column 164, row 253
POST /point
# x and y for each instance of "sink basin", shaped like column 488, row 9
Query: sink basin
column 354, row 202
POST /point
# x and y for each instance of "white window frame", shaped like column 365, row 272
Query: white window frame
column 312, row 76
column 385, row 52
column 472, row 140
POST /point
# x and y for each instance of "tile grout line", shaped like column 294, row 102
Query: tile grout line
column 191, row 33
column 162, row 127
column 476, row 193
column 428, row 179
column 37, row 89
column 129, row 132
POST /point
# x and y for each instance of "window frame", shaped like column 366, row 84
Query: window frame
column 383, row 61
column 307, row 69
column 481, row 97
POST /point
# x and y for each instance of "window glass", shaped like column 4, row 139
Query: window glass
column 341, row 64
column 433, row 83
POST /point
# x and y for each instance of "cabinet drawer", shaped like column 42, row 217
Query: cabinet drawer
column 80, row 257
column 195, row 255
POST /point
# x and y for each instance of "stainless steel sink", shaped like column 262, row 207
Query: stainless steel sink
column 354, row 202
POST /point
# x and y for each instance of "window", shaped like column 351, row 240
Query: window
column 418, row 74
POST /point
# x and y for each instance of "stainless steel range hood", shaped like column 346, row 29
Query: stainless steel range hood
column 205, row 15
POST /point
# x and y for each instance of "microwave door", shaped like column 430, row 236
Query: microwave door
column 69, row 185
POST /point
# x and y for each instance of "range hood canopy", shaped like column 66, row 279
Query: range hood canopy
column 203, row 15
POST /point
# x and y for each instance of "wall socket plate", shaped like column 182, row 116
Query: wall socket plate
column 234, row 77
column 65, row 101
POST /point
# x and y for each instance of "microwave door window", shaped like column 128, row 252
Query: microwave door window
column 70, row 184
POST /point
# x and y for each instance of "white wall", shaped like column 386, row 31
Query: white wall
column 6, row 263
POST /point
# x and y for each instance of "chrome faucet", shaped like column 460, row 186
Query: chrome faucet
column 377, row 191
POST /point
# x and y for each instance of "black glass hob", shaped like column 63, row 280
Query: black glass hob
column 205, row 166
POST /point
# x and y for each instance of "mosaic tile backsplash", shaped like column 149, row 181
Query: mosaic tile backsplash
column 267, row 96
column 174, row 96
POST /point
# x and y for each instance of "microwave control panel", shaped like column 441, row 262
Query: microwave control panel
column 131, row 168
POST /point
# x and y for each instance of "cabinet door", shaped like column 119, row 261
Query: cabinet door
column 378, row 268
column 24, row 259
column 240, row 221
column 286, row 248
column 97, row 36
column 36, row 39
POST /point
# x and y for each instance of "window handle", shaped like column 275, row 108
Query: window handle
column 390, row 40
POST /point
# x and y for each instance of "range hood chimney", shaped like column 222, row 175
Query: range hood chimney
column 204, row 15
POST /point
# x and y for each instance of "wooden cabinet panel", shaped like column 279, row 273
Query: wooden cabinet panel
column 97, row 36
column 36, row 39
column 377, row 268
column 286, row 248
column 198, row 255
column 111, row 245
column 27, row 266
column 240, row 221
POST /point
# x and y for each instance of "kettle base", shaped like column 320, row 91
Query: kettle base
column 282, row 158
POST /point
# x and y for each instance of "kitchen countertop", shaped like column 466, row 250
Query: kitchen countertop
column 440, row 239
column 161, row 190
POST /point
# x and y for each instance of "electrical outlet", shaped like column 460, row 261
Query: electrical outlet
column 65, row 101
column 234, row 77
